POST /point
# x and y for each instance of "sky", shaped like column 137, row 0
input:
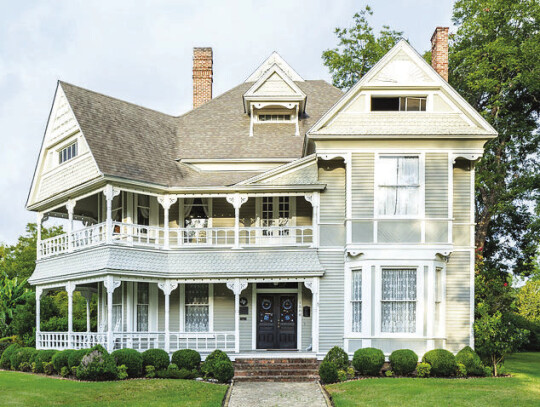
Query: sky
column 141, row 51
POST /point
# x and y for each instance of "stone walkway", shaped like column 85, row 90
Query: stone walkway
column 276, row 394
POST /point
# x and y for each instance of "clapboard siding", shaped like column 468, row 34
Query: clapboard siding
column 462, row 203
column 332, row 173
column 222, row 213
column 331, row 301
column 247, row 213
column 436, row 185
column 458, row 297
column 304, row 212
column 363, row 170
column 306, row 322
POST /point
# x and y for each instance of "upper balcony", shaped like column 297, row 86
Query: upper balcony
column 170, row 222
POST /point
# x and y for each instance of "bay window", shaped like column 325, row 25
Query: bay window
column 398, row 186
column 398, row 300
column 197, row 308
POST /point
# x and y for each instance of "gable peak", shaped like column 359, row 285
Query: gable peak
column 274, row 59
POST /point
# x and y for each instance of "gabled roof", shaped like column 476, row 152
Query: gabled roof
column 299, row 172
column 274, row 59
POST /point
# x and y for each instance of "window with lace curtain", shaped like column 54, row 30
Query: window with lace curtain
column 356, row 300
column 117, row 310
column 398, row 300
column 142, row 306
column 398, row 185
column 197, row 308
column 143, row 210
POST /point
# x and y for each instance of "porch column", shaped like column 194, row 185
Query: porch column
column 166, row 202
column 70, row 287
column 87, row 294
column 237, row 286
column 39, row 219
column 167, row 287
column 70, row 206
column 313, row 286
column 237, row 200
column 430, row 307
column 315, row 200
column 39, row 292
column 109, row 192
column 110, row 285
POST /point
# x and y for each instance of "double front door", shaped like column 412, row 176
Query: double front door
column 276, row 321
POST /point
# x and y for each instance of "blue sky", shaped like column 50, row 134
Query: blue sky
column 141, row 51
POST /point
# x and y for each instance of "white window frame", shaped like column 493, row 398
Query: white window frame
column 182, row 305
column 275, row 209
column 290, row 120
column 399, row 94
column 136, row 307
column 121, row 304
column 61, row 150
column 365, row 269
column 421, row 178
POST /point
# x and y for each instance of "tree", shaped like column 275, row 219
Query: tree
column 495, row 65
column 359, row 48
column 528, row 301
column 12, row 293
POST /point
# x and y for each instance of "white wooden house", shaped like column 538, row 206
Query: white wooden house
column 281, row 215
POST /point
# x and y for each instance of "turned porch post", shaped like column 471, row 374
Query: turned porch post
column 39, row 292
column 166, row 202
column 110, row 285
column 237, row 286
column 109, row 192
column 313, row 286
column 237, row 200
column 70, row 206
column 70, row 287
column 167, row 287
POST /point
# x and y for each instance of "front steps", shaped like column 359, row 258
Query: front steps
column 276, row 370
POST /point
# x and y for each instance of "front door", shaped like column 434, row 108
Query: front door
column 276, row 321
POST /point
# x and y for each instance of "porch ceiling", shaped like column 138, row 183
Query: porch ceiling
column 179, row 264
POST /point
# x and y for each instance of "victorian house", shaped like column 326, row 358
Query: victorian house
column 281, row 215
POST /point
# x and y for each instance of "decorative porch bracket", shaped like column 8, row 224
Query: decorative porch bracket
column 315, row 200
column 110, row 285
column 166, row 201
column 167, row 286
column 313, row 286
column 237, row 200
column 237, row 286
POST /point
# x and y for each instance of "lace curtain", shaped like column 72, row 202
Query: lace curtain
column 399, row 189
column 398, row 304
column 142, row 307
column 197, row 308
column 356, row 301
column 117, row 310
column 196, row 212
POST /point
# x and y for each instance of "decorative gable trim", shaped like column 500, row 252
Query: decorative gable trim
column 280, row 171
column 274, row 59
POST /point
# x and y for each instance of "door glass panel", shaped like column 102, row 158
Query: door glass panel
column 287, row 311
column 266, row 311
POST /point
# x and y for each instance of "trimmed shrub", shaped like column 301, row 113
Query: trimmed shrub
column 338, row 357
column 488, row 371
column 64, row 372
column 368, row 361
column 403, row 361
column 131, row 358
column 186, row 359
column 97, row 365
column 25, row 367
column 209, row 365
column 48, row 368
column 443, row 362
column 187, row 374
column 6, row 343
column 223, row 371
column 157, row 358
column 22, row 355
column 461, row 370
column 74, row 358
column 5, row 361
column 122, row 372
column 60, row 359
column 468, row 357
column 342, row 375
column 328, row 372
column 150, row 372
column 41, row 357
column 423, row 370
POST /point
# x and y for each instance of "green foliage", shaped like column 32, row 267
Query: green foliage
column 470, row 359
column 5, row 360
column 388, row 373
column 5, row 343
column 74, row 358
column 41, row 357
column 528, row 301
column 328, row 372
column 495, row 337
column 25, row 367
column 423, row 370
column 338, row 357
column 501, row 370
column 131, row 358
column 21, row 355
column 342, row 375
column 157, row 358
column 97, row 365
column 209, row 366
column 359, row 48
column 12, row 293
column 223, row 371
column 187, row 358
column 122, row 372
column 60, row 359
column 488, row 371
column 368, row 361
column 150, row 372
column 403, row 361
column 461, row 370
column 520, row 322
column 443, row 362
column 64, row 372
column 48, row 368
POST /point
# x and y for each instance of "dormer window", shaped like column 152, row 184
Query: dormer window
column 67, row 153
column 398, row 104
column 274, row 117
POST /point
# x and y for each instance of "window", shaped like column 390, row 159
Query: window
column 398, row 301
column 403, row 104
column 197, row 308
column 275, row 211
column 196, row 213
column 67, row 153
column 143, row 210
column 116, row 207
column 142, row 307
column 398, row 186
column 274, row 117
column 117, row 310
column 356, row 300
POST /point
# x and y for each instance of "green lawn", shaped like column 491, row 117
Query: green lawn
column 22, row 389
column 522, row 389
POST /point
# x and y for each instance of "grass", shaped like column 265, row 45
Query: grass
column 23, row 389
column 522, row 389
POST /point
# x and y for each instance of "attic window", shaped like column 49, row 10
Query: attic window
column 274, row 117
column 401, row 104
column 67, row 153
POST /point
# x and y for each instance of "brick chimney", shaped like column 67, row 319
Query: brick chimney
column 202, row 76
column 439, row 51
